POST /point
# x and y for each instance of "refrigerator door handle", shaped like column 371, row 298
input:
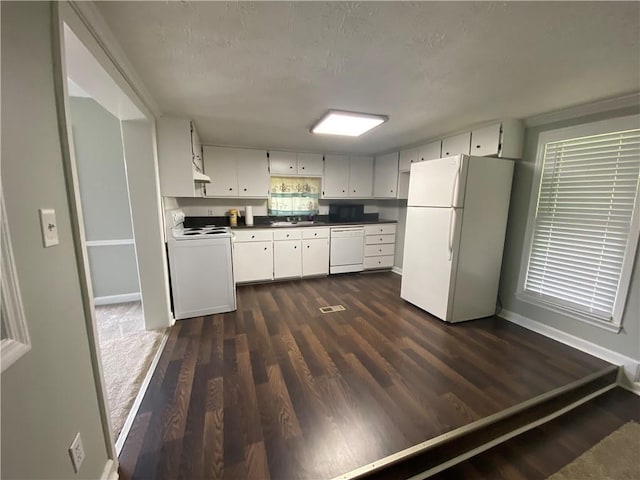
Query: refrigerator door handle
column 454, row 190
column 452, row 222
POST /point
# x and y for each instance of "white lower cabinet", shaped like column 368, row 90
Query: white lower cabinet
column 379, row 245
column 253, row 261
column 287, row 258
column 315, row 252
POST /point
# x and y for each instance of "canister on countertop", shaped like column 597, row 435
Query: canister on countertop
column 248, row 216
column 233, row 217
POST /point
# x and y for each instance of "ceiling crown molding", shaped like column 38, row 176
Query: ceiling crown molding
column 97, row 26
column 607, row 104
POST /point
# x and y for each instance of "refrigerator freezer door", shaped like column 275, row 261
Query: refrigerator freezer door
column 430, row 255
column 438, row 183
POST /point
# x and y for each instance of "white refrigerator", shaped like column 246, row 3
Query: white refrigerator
column 456, row 220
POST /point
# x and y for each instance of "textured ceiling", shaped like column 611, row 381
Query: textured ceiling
column 259, row 74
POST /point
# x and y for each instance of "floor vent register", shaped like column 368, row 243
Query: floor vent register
column 332, row 308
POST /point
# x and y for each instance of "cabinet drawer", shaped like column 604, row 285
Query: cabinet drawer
column 380, row 229
column 378, row 262
column 378, row 239
column 287, row 234
column 253, row 235
column 379, row 250
column 309, row 233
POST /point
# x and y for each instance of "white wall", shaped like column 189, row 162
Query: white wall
column 627, row 342
column 50, row 393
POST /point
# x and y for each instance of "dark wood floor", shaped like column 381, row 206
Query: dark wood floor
column 279, row 390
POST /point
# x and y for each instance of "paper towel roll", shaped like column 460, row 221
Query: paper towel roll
column 248, row 216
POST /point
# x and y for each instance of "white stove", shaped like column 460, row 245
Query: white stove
column 201, row 268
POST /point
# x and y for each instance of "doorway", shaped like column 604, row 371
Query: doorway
column 111, row 170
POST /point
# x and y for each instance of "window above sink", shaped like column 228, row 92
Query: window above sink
column 293, row 196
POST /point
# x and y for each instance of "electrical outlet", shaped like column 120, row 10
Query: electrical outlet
column 76, row 452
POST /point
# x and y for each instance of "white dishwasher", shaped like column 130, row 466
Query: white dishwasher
column 347, row 249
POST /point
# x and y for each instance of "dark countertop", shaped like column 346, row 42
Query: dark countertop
column 315, row 224
column 265, row 222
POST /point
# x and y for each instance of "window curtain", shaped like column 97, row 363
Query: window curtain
column 294, row 195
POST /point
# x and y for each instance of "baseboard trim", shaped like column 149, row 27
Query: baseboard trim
column 126, row 428
column 630, row 374
column 110, row 471
column 397, row 270
column 123, row 298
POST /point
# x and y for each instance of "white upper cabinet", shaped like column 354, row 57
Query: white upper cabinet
column 253, row 173
column 361, row 177
column 502, row 139
column 310, row 164
column 456, row 145
column 485, row 141
column 179, row 154
column 283, row 163
column 385, row 176
column 336, row 176
column 429, row 151
column 236, row 172
column 291, row 163
column 407, row 157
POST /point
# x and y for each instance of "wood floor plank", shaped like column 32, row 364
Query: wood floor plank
column 279, row 390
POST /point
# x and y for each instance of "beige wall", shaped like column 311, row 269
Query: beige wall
column 49, row 394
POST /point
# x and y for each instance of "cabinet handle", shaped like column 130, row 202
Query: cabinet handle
column 231, row 189
column 354, row 191
column 290, row 166
column 477, row 146
column 253, row 236
column 245, row 189
column 315, row 234
column 265, row 249
column 446, row 153
column 307, row 246
column 303, row 168
column 295, row 246
column 342, row 191
column 287, row 235
column 381, row 239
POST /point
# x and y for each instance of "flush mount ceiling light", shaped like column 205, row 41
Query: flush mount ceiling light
column 351, row 124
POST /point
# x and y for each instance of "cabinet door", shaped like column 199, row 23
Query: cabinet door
column 253, row 173
column 429, row 151
column 456, row 145
column 403, row 185
column 310, row 164
column 283, row 163
column 385, row 176
column 220, row 166
column 253, row 261
column 361, row 177
column 315, row 257
column 196, row 147
column 336, row 176
column 407, row 157
column 485, row 141
column 287, row 259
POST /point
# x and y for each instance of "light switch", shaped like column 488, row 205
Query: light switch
column 49, row 227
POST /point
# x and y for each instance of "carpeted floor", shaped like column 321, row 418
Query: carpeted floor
column 127, row 350
column 616, row 457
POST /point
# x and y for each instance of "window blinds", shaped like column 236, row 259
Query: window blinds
column 588, row 189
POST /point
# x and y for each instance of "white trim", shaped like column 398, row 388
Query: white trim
column 397, row 270
column 122, row 298
column 509, row 435
column 110, row 243
column 608, row 104
column 126, row 428
column 633, row 387
column 630, row 366
column 17, row 342
column 110, row 471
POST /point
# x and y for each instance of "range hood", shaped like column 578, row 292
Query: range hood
column 200, row 177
